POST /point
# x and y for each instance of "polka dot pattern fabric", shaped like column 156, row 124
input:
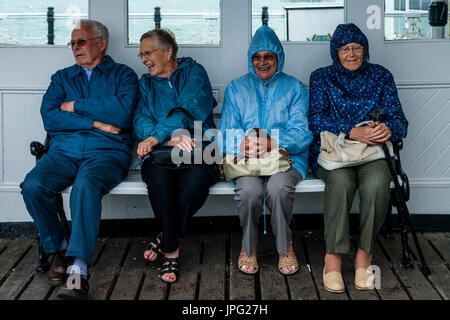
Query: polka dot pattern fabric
column 339, row 98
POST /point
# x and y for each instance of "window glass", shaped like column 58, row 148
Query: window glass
column 408, row 19
column 24, row 22
column 192, row 22
column 300, row 20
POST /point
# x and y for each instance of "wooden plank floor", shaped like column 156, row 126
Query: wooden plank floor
column 209, row 271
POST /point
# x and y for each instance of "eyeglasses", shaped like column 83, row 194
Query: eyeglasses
column 80, row 42
column 346, row 50
column 267, row 57
column 147, row 54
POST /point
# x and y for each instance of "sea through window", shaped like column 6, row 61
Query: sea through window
column 193, row 22
column 40, row 22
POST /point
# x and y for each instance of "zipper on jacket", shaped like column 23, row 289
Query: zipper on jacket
column 170, row 84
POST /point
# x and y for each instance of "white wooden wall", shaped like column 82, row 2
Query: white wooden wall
column 421, row 70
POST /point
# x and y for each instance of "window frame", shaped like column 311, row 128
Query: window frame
column 180, row 45
column 400, row 41
column 296, row 43
column 57, row 46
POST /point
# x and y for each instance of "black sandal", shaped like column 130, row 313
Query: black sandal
column 170, row 265
column 155, row 246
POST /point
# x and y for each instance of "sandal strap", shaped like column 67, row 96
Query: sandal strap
column 155, row 246
column 247, row 260
column 289, row 259
column 170, row 265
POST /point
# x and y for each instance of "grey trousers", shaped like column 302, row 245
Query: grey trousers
column 372, row 181
column 249, row 196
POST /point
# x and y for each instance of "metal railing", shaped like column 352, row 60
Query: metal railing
column 157, row 16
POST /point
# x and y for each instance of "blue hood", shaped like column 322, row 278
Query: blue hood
column 345, row 34
column 265, row 39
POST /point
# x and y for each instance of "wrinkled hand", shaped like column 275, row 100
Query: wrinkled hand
column 371, row 134
column 381, row 133
column 254, row 147
column 182, row 142
column 67, row 106
column 106, row 127
column 146, row 146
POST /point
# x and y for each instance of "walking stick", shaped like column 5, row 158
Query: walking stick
column 402, row 209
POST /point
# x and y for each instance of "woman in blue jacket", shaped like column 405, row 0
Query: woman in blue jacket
column 175, row 195
column 266, row 98
column 341, row 96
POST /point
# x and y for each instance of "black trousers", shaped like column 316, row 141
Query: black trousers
column 175, row 196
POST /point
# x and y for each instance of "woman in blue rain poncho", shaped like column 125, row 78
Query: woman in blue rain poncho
column 268, row 99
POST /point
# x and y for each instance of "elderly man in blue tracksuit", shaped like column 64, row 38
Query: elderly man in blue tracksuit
column 87, row 111
column 269, row 99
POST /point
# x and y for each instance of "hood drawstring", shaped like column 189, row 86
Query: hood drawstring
column 264, row 203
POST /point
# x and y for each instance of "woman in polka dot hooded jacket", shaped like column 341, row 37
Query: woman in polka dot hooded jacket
column 342, row 95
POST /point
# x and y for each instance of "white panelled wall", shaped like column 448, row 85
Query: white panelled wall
column 421, row 70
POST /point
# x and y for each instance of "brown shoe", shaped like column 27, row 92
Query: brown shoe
column 57, row 274
column 71, row 290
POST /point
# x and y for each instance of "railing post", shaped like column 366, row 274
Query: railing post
column 51, row 25
column 265, row 15
column 157, row 17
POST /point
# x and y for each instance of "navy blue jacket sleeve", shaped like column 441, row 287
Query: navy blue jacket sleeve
column 56, row 120
column 393, row 115
column 114, row 109
column 320, row 118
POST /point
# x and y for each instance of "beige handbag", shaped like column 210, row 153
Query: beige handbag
column 273, row 161
column 337, row 152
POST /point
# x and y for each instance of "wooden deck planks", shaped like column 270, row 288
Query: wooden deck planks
column 242, row 286
column 413, row 280
column 301, row 284
column 272, row 282
column 132, row 273
column 101, row 281
column 440, row 241
column 20, row 275
column 12, row 255
column 209, row 271
column 213, row 268
column 186, row 286
column 390, row 287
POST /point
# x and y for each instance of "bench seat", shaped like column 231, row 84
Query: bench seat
column 133, row 185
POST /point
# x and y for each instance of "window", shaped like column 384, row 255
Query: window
column 192, row 22
column 408, row 19
column 24, row 22
column 300, row 20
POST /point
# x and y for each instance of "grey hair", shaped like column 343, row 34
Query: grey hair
column 165, row 39
column 98, row 27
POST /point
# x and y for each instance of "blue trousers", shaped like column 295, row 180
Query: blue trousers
column 91, row 178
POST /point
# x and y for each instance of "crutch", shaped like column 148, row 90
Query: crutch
column 399, row 201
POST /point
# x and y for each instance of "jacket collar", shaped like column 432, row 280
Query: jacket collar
column 104, row 67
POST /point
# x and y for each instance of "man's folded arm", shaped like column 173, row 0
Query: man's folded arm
column 56, row 120
column 116, row 110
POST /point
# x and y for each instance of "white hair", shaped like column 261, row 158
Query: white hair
column 98, row 27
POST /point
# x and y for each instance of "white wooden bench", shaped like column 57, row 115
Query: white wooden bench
column 133, row 185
